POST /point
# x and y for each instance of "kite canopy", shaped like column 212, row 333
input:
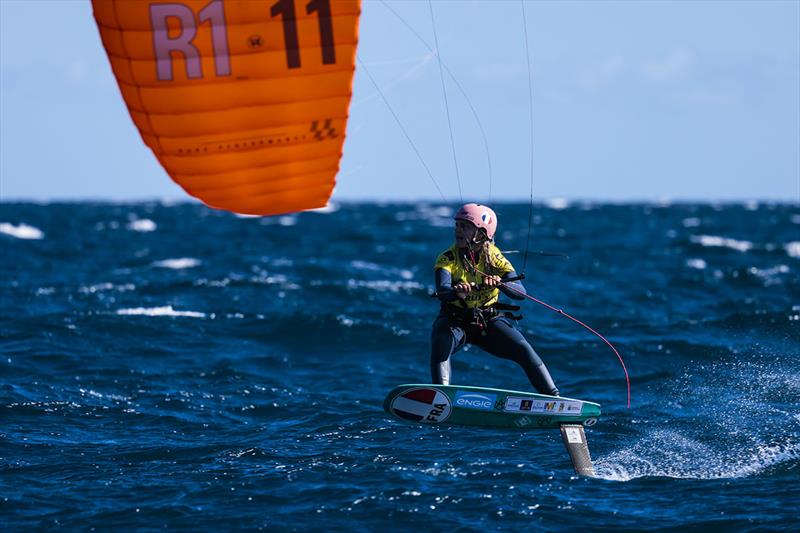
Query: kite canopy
column 244, row 103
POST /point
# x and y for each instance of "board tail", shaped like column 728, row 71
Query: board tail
column 575, row 441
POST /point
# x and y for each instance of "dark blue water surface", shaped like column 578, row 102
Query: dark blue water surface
column 172, row 366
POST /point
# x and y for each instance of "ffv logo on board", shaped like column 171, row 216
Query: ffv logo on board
column 426, row 405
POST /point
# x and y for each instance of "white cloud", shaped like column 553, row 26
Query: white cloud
column 601, row 73
column 675, row 65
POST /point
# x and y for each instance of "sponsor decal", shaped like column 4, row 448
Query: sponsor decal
column 425, row 405
column 573, row 435
column 532, row 405
column 475, row 400
column 590, row 421
column 512, row 404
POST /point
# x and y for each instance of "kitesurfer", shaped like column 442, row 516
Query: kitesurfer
column 469, row 278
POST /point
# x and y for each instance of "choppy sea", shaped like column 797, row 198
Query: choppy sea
column 168, row 366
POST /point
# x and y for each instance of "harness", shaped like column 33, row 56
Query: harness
column 479, row 317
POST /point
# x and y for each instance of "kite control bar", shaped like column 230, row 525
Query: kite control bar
column 512, row 279
column 483, row 286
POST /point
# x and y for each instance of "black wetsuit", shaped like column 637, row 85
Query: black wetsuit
column 497, row 335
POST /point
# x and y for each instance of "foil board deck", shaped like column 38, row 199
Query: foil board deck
column 481, row 406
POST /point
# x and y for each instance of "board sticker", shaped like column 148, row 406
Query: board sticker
column 475, row 400
column 573, row 435
column 428, row 406
column 529, row 405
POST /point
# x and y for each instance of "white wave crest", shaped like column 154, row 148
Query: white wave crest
column 23, row 231
column 99, row 287
column 167, row 310
column 345, row 320
column 770, row 276
column 557, row 203
column 366, row 265
column 142, row 224
column 691, row 222
column 178, row 263
column 384, row 285
column 792, row 248
column 437, row 216
column 696, row 263
column 713, row 240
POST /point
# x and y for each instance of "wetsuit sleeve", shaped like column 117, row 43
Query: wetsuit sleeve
column 517, row 287
column 444, row 285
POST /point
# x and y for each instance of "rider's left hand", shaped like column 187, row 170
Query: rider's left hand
column 491, row 281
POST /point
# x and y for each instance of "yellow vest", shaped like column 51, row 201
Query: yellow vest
column 491, row 262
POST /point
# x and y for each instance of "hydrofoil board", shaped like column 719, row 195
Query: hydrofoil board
column 481, row 406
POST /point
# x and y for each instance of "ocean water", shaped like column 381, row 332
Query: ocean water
column 175, row 367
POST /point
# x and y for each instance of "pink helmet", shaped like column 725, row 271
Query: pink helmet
column 480, row 215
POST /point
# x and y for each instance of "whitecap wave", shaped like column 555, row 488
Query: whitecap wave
column 770, row 276
column 385, row 285
column 436, row 216
column 142, row 225
column 792, row 248
column 715, row 241
column 346, row 321
column 366, row 265
column 166, row 310
column 557, row 203
column 178, row 263
column 23, row 231
column 699, row 264
column 100, row 287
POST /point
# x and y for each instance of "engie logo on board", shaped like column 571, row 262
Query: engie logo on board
column 475, row 400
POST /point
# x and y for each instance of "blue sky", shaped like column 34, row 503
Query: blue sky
column 632, row 101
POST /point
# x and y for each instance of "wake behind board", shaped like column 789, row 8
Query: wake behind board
column 480, row 406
